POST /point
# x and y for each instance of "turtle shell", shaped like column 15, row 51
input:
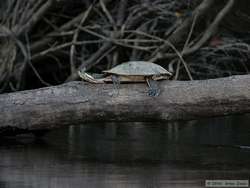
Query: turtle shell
column 138, row 68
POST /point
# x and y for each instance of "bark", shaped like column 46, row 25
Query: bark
column 80, row 102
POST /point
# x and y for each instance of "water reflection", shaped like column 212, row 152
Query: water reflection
column 130, row 155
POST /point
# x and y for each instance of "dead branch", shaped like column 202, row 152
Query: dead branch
column 211, row 29
column 80, row 102
column 178, row 35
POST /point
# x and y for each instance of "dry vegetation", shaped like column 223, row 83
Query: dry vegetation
column 45, row 42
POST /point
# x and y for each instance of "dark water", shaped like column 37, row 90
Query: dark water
column 151, row 155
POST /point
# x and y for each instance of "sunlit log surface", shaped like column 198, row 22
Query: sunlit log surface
column 79, row 102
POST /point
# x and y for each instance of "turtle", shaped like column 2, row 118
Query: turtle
column 132, row 71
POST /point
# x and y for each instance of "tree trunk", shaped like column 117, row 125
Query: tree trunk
column 80, row 102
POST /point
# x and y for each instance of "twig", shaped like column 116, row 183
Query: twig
column 72, row 49
column 37, row 46
column 177, row 36
column 212, row 28
column 34, row 19
column 113, row 40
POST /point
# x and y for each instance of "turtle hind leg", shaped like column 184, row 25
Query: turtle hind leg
column 116, row 83
column 153, row 90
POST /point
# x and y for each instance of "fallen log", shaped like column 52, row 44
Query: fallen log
column 80, row 102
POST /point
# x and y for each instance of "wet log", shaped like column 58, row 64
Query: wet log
column 79, row 102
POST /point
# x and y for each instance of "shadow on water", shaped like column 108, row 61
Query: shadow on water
column 181, row 154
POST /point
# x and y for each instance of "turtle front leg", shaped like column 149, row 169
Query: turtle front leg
column 116, row 82
column 154, row 89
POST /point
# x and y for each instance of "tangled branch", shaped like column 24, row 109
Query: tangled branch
column 48, row 41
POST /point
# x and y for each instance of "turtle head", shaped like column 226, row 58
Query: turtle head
column 84, row 75
column 87, row 77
